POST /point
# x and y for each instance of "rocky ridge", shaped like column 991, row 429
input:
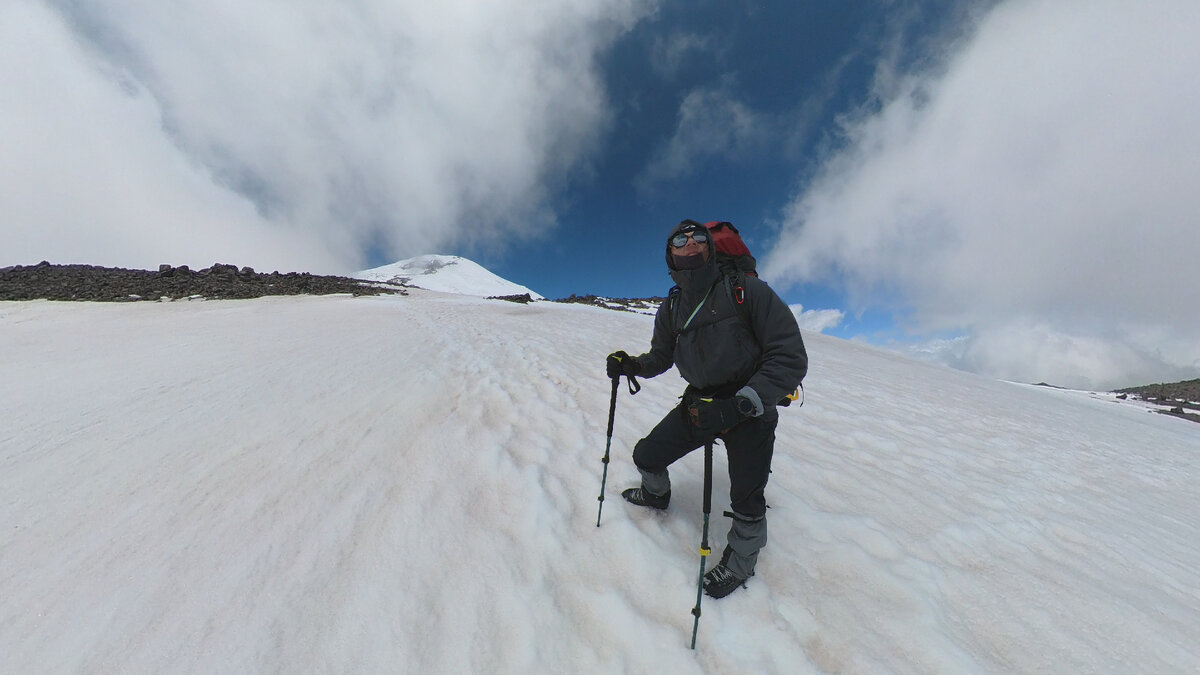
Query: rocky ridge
column 45, row 281
column 1180, row 399
column 638, row 305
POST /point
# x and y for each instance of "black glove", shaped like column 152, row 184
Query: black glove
column 620, row 363
column 712, row 416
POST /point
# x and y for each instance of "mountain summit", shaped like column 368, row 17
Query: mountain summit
column 448, row 274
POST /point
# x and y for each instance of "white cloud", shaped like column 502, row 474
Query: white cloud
column 671, row 52
column 711, row 123
column 305, row 125
column 87, row 174
column 1076, row 360
column 1037, row 192
column 817, row 320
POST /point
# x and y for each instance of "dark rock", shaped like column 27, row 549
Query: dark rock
column 1180, row 396
column 91, row 283
column 618, row 304
column 1188, row 390
column 523, row 298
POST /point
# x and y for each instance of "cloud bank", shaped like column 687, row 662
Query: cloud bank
column 1036, row 191
column 291, row 134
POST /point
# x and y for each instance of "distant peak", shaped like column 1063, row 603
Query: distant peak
column 446, row 274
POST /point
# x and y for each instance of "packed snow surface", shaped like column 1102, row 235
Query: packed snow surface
column 409, row 484
column 446, row 273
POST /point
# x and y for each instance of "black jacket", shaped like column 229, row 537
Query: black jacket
column 719, row 351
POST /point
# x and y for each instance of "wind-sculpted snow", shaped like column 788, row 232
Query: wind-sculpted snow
column 408, row 484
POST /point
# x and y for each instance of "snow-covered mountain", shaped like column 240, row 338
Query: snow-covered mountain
column 448, row 274
column 408, row 485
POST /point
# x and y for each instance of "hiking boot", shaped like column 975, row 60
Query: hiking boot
column 720, row 581
column 641, row 497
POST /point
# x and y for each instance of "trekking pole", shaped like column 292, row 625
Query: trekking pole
column 612, row 410
column 704, row 550
column 634, row 388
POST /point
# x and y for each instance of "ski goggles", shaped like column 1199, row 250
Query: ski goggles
column 699, row 235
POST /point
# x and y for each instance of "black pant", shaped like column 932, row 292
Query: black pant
column 749, row 446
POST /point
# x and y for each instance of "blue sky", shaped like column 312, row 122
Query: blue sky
column 1003, row 186
column 729, row 55
column 792, row 68
column 773, row 61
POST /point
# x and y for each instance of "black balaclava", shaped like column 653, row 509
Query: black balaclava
column 688, row 262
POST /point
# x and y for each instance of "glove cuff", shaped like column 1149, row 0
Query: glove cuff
column 752, row 396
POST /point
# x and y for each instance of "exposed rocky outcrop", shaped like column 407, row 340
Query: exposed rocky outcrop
column 639, row 305
column 1179, row 399
column 1188, row 390
column 220, row 281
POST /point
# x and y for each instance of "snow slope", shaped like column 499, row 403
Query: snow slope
column 408, row 484
column 446, row 273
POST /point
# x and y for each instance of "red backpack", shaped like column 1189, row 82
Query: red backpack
column 732, row 252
